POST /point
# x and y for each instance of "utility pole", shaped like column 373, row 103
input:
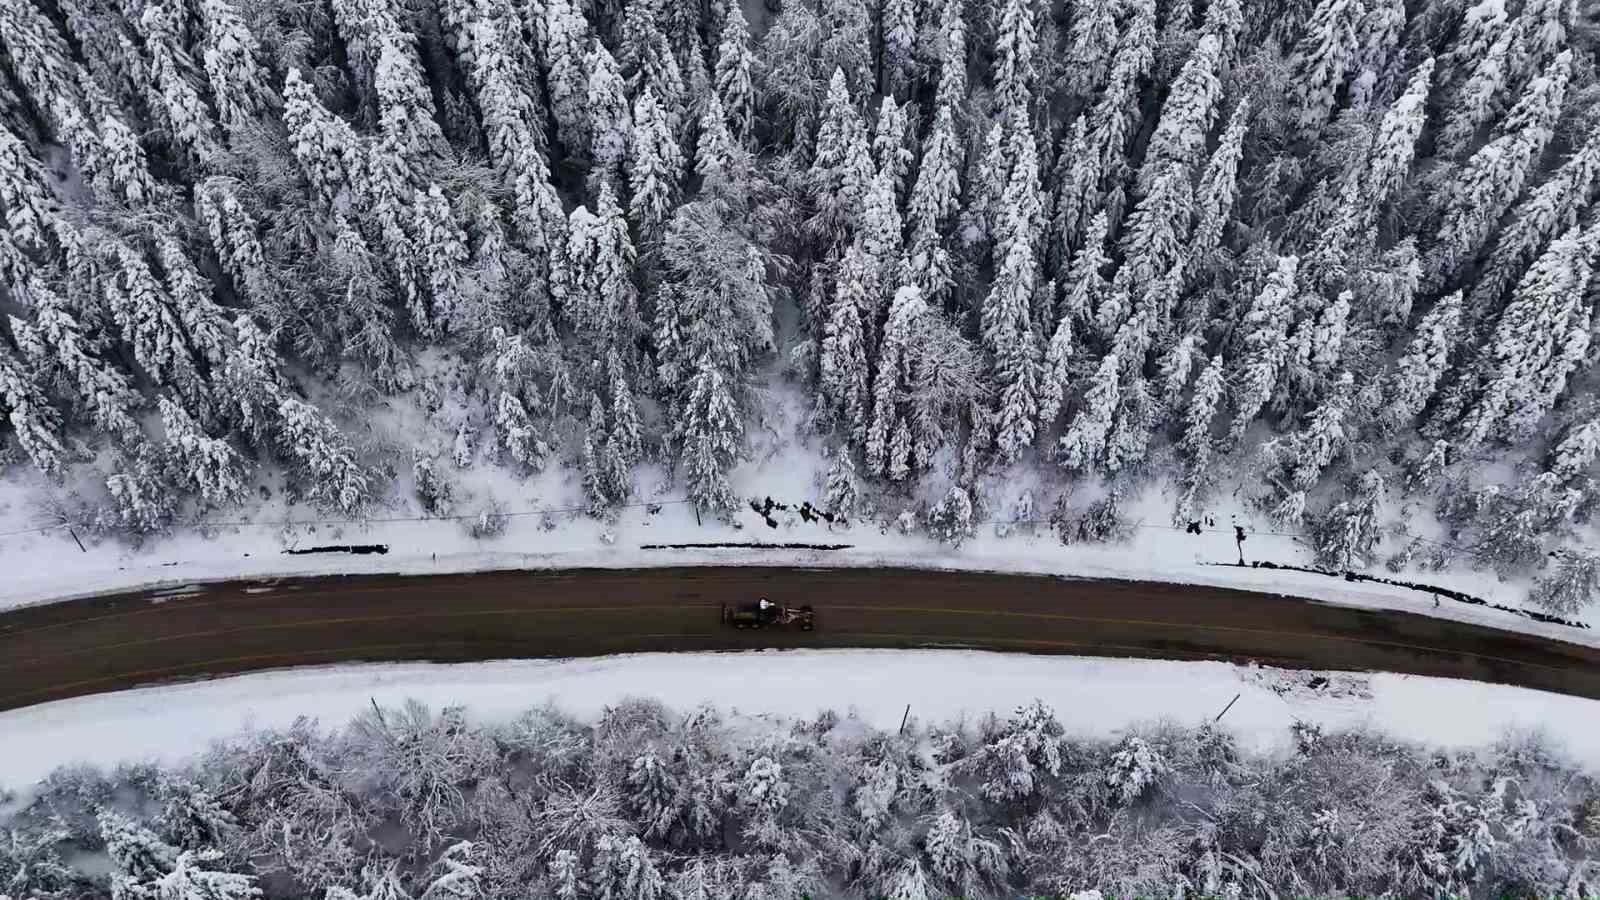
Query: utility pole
column 1226, row 708
column 904, row 718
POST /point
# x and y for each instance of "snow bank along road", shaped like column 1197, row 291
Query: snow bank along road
column 96, row 644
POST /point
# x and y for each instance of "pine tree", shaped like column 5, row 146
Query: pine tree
column 841, row 168
column 626, row 441
column 611, row 123
column 890, row 383
column 26, row 206
column 1016, row 44
column 1538, row 341
column 986, row 183
column 1089, row 287
column 1153, row 241
column 734, row 61
column 55, row 341
column 1395, row 144
column 596, row 480
column 40, row 59
column 136, row 852
column 596, row 285
column 936, row 194
column 715, row 151
column 1576, row 451
column 709, row 435
column 1493, row 177
column 655, row 167
column 1324, row 435
column 203, row 321
column 840, row 493
column 1476, row 101
column 1549, row 209
column 843, row 387
column 233, row 233
column 36, row 425
column 1083, row 445
column 899, row 23
column 1321, row 59
column 1265, row 345
column 951, row 92
column 1092, row 43
column 563, row 55
column 889, row 150
column 231, row 57
column 1348, row 536
column 1417, row 372
column 207, row 465
column 442, row 246
column 251, row 377
column 1056, row 376
column 188, row 119
column 325, row 146
column 334, row 477
column 1187, row 114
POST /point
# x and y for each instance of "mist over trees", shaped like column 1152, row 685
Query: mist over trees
column 647, row 803
column 1338, row 251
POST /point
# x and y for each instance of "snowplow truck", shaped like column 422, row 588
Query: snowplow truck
column 764, row 613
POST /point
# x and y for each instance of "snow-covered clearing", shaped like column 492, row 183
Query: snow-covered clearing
column 49, row 565
column 1093, row 697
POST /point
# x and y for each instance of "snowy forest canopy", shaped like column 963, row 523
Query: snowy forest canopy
column 648, row 804
column 1339, row 250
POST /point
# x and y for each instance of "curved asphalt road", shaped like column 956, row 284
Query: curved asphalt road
column 100, row 644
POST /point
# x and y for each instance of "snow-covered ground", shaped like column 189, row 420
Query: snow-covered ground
column 1091, row 697
column 48, row 565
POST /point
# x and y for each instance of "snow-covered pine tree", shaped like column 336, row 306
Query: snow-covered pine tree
column 1549, row 209
column 251, row 379
column 194, row 877
column 709, row 434
column 563, row 55
column 596, row 483
column 1537, row 343
column 41, row 60
column 1417, row 373
column 1572, row 587
column 610, row 120
column 899, row 63
column 1577, row 449
column 55, row 341
column 1478, row 99
column 1348, row 535
column 1264, row 347
column 715, row 150
column 1153, row 239
column 889, row 150
column 189, row 121
column 1082, row 446
column 1395, row 144
column 655, row 167
column 208, row 466
column 26, row 205
column 1214, row 195
column 840, row 492
column 231, row 57
column 442, row 247
column 891, row 381
column 951, row 91
column 841, row 169
column 1320, row 61
column 625, row 443
column 986, row 183
column 1016, row 44
column 333, row 476
column 324, row 145
column 1087, row 285
column 1491, row 178
column 1187, row 114
column 1324, row 436
column 34, row 422
column 1056, row 376
column 732, row 74
column 1091, row 45
column 843, row 385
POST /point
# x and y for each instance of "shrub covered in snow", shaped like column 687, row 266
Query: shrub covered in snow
column 647, row 802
